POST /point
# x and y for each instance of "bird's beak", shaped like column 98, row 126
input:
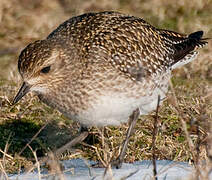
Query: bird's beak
column 22, row 91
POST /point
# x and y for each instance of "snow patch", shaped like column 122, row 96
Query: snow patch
column 78, row 169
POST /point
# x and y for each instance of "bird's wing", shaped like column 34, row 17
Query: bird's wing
column 128, row 43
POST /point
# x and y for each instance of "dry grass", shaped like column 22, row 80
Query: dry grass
column 23, row 21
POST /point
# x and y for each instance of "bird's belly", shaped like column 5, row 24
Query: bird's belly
column 115, row 110
column 108, row 110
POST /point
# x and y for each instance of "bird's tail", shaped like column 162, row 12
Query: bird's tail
column 185, row 51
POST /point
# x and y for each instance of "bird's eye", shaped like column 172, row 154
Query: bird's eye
column 45, row 69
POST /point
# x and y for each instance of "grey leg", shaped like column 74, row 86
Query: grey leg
column 132, row 122
column 78, row 139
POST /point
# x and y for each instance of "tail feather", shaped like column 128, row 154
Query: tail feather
column 196, row 35
column 185, row 51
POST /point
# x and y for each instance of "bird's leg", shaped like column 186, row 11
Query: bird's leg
column 132, row 122
column 77, row 139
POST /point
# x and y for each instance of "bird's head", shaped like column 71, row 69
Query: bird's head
column 40, row 65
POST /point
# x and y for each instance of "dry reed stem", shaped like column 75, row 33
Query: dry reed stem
column 3, row 172
column 33, row 138
column 37, row 162
column 108, row 174
column 209, row 154
column 59, row 151
column 55, row 167
column 184, row 127
column 6, row 155
column 2, row 166
column 105, row 149
column 154, row 134
column 97, row 152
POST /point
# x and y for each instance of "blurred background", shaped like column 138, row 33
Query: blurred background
column 24, row 21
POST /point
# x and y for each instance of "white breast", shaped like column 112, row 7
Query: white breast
column 115, row 109
column 110, row 109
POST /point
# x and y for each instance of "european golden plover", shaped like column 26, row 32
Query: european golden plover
column 105, row 68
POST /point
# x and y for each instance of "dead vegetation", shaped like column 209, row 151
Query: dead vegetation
column 186, row 118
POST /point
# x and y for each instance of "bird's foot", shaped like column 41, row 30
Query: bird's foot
column 99, row 165
column 114, row 164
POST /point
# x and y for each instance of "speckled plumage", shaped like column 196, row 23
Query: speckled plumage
column 103, row 66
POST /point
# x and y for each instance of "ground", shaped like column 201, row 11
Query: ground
column 23, row 21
